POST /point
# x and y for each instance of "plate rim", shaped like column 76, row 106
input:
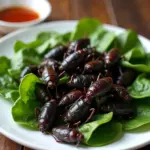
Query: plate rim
column 13, row 34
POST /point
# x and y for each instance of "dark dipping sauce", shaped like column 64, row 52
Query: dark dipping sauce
column 18, row 14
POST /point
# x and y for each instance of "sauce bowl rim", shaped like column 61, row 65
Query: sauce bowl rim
column 28, row 23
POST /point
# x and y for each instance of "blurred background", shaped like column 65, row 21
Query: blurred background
column 132, row 14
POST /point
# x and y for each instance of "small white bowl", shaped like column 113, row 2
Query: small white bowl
column 42, row 7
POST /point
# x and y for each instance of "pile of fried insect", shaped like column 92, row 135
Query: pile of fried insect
column 96, row 84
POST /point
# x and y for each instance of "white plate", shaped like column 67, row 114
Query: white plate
column 36, row 139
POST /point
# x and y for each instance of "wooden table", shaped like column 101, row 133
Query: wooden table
column 132, row 14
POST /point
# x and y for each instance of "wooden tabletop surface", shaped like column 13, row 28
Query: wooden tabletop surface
column 133, row 14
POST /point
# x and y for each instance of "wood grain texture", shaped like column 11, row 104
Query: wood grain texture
column 60, row 10
column 6, row 144
column 25, row 148
column 87, row 8
column 1, row 35
column 99, row 11
column 133, row 14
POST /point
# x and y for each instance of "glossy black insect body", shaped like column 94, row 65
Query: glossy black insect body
column 108, row 73
column 56, row 53
column 104, row 99
column 78, row 112
column 29, row 69
column 79, row 44
column 70, row 98
column 42, row 93
column 112, row 57
column 94, row 66
column 127, row 77
column 73, row 60
column 50, row 77
column 120, row 110
column 68, row 135
column 112, row 72
column 81, row 81
column 99, row 87
column 121, row 92
column 47, row 115
column 50, row 63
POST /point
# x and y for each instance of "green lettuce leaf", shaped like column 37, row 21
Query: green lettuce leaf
column 44, row 36
column 4, row 65
column 9, row 94
column 43, row 48
column 43, row 42
column 6, row 82
column 140, row 87
column 143, row 115
column 106, row 134
column 134, row 53
column 138, row 67
column 23, row 110
column 51, row 40
column 128, row 40
column 24, row 113
column 100, row 131
column 142, row 64
column 66, row 37
column 102, row 39
column 8, row 86
column 27, row 87
column 21, row 59
column 19, row 45
column 84, row 28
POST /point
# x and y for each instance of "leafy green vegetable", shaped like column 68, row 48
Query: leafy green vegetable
column 21, row 59
column 66, row 37
column 134, row 53
column 96, row 35
column 23, row 113
column 17, row 61
column 51, row 40
column 4, row 65
column 9, row 94
column 44, row 41
column 27, row 87
column 143, row 115
column 8, row 87
column 25, row 57
column 95, row 132
column 102, row 39
column 44, row 36
column 138, row 67
column 23, row 109
column 43, row 48
column 6, row 82
column 128, row 40
column 19, row 45
column 140, row 87
column 142, row 64
column 84, row 28
column 106, row 134
column 15, row 72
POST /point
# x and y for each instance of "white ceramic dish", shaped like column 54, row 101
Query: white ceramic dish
column 42, row 7
column 35, row 139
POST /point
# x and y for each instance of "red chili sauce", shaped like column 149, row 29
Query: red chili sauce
column 18, row 14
